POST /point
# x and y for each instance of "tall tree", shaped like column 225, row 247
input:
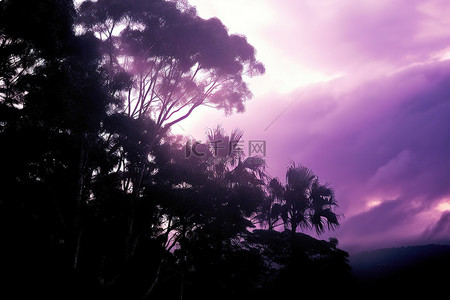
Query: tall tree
column 211, row 192
column 176, row 60
column 269, row 212
column 303, row 202
column 52, row 106
column 171, row 62
column 162, row 61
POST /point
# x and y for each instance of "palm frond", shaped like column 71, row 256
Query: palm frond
column 299, row 178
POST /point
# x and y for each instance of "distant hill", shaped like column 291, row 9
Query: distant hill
column 405, row 270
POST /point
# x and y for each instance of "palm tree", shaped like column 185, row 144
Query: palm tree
column 322, row 201
column 307, row 203
column 270, row 209
column 225, row 151
column 228, row 161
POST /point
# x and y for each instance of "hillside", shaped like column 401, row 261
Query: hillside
column 404, row 270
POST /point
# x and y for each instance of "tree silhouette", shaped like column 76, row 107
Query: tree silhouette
column 164, row 61
column 213, row 198
column 303, row 202
column 308, row 204
column 52, row 106
column 270, row 209
column 288, row 261
column 176, row 61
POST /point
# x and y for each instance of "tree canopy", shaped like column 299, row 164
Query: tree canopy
column 170, row 60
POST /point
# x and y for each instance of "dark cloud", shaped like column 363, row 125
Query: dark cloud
column 440, row 231
column 385, row 225
column 380, row 219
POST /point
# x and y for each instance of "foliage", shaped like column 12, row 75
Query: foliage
column 302, row 203
column 176, row 61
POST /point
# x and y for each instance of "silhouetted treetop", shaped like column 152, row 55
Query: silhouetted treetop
column 303, row 202
column 22, row 19
column 176, row 60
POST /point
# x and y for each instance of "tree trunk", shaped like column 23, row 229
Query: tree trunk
column 182, row 285
column 293, row 232
column 132, row 238
column 155, row 280
column 79, row 201
column 161, row 262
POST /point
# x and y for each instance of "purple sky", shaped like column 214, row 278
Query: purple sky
column 359, row 91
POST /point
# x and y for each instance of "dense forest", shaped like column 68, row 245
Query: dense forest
column 100, row 200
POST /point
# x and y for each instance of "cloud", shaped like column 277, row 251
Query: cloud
column 385, row 141
column 384, row 225
column 440, row 231
column 370, row 35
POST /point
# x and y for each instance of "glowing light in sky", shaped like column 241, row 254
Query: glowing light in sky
column 257, row 19
column 444, row 205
